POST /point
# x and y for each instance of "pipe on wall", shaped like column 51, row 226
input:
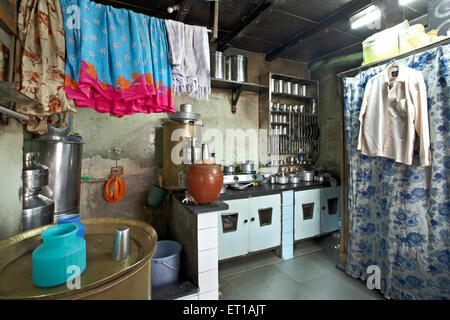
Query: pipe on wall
column 13, row 114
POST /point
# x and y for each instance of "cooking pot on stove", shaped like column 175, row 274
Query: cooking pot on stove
column 247, row 166
column 229, row 169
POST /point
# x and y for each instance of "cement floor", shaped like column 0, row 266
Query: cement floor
column 310, row 275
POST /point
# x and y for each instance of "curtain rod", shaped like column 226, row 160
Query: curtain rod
column 398, row 56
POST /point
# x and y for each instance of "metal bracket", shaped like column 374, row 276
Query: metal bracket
column 235, row 94
column 117, row 171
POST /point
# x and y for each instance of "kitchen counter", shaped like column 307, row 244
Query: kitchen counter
column 266, row 189
column 231, row 194
column 200, row 208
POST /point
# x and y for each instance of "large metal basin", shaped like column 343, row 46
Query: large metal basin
column 103, row 278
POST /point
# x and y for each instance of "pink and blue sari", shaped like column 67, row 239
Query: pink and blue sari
column 117, row 61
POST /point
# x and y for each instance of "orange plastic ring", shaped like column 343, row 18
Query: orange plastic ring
column 118, row 190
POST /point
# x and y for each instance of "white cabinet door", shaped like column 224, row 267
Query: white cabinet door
column 307, row 214
column 264, row 222
column 233, row 229
column 331, row 209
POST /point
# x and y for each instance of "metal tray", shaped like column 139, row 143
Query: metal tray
column 16, row 261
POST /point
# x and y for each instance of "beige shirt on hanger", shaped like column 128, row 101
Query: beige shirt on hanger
column 393, row 110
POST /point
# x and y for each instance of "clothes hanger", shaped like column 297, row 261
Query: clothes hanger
column 393, row 69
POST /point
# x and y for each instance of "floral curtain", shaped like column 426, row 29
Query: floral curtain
column 399, row 214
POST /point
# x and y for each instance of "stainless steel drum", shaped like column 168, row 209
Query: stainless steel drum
column 59, row 134
column 63, row 159
column 217, row 65
column 37, row 209
column 237, row 67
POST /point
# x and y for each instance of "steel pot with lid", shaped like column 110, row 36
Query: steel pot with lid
column 217, row 65
column 282, row 178
column 307, row 176
column 294, row 89
column 294, row 178
column 278, row 86
column 229, row 169
column 287, row 87
column 236, row 68
column 247, row 166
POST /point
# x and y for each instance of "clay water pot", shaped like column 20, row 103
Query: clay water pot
column 204, row 182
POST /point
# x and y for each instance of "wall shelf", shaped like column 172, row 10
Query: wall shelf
column 302, row 127
column 292, row 96
column 9, row 94
column 236, row 88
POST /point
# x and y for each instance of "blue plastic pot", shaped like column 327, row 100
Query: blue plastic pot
column 61, row 255
column 75, row 219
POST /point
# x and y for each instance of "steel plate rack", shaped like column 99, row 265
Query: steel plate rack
column 291, row 119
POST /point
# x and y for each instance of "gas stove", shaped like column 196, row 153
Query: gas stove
column 242, row 178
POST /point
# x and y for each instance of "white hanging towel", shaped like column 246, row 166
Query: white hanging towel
column 189, row 55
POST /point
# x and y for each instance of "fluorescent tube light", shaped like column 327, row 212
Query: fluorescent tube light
column 366, row 16
column 404, row 2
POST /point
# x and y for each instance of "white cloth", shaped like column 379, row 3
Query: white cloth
column 189, row 54
column 392, row 111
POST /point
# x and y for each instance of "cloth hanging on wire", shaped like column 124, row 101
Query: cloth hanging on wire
column 399, row 214
column 117, row 60
column 190, row 60
column 40, row 62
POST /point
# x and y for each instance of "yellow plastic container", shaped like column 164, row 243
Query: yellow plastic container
column 383, row 44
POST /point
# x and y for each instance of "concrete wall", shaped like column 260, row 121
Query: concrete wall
column 138, row 138
column 11, row 144
column 332, row 146
column 330, row 121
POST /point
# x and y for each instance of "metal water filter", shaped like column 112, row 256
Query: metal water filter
column 63, row 159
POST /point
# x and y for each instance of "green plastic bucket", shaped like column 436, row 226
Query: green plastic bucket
column 156, row 196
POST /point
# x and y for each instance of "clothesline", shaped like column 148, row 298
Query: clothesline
column 399, row 56
column 140, row 8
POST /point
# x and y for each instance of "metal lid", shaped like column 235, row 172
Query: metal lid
column 186, row 107
column 185, row 115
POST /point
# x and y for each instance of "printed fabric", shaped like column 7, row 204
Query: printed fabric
column 39, row 64
column 399, row 214
column 117, row 60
